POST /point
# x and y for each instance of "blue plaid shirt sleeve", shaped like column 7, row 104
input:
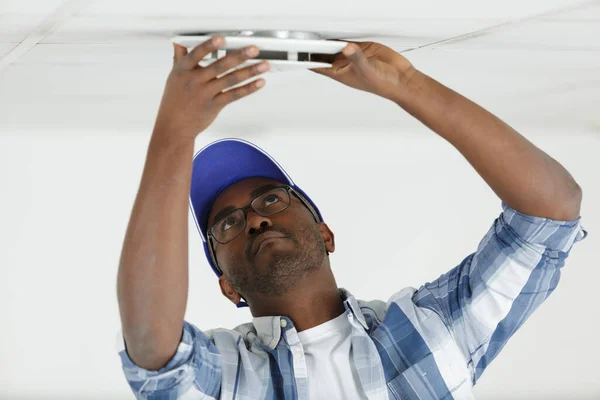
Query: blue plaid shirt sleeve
column 195, row 367
column 491, row 293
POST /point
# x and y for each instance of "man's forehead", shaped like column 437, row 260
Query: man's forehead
column 239, row 193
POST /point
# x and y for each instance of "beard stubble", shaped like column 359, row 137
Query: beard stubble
column 283, row 267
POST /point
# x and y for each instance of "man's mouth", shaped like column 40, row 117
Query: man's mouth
column 263, row 237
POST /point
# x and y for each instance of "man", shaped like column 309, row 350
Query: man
column 268, row 244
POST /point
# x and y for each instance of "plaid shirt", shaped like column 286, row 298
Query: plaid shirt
column 430, row 343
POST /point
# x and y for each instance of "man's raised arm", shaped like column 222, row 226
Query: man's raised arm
column 152, row 283
column 523, row 176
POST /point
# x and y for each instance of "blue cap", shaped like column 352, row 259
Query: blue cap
column 221, row 164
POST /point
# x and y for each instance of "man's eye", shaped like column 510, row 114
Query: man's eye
column 271, row 199
column 228, row 224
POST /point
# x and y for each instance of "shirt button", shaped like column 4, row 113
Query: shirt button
column 283, row 323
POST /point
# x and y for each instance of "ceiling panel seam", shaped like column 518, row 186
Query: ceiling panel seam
column 61, row 15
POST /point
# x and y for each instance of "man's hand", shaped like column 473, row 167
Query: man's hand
column 369, row 66
column 193, row 96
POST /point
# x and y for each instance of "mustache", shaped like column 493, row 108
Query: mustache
column 250, row 242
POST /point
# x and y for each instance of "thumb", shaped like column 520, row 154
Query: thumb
column 357, row 59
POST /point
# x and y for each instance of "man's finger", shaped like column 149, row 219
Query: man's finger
column 179, row 51
column 322, row 71
column 231, row 95
column 200, row 51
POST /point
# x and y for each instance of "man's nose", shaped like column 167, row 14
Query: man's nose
column 255, row 222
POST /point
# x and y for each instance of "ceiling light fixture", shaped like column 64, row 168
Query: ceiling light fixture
column 285, row 50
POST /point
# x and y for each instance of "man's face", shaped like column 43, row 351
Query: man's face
column 275, row 265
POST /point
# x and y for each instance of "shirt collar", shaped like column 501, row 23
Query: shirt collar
column 350, row 303
column 269, row 328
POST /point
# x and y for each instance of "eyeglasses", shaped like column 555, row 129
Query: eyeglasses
column 271, row 202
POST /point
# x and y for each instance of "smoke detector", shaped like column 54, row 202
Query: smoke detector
column 285, row 50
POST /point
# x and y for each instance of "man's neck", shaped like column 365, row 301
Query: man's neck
column 314, row 299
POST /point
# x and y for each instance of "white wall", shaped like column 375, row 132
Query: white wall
column 65, row 203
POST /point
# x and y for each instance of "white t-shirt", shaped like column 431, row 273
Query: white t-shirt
column 328, row 353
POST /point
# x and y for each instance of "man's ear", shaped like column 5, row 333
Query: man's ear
column 228, row 290
column 328, row 237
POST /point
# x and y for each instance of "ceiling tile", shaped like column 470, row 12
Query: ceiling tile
column 5, row 48
column 26, row 6
column 435, row 9
column 541, row 34
column 589, row 11
column 408, row 33
column 14, row 28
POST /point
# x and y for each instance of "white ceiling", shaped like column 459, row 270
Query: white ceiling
column 74, row 66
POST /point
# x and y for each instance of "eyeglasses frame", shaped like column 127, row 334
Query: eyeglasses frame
column 289, row 189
